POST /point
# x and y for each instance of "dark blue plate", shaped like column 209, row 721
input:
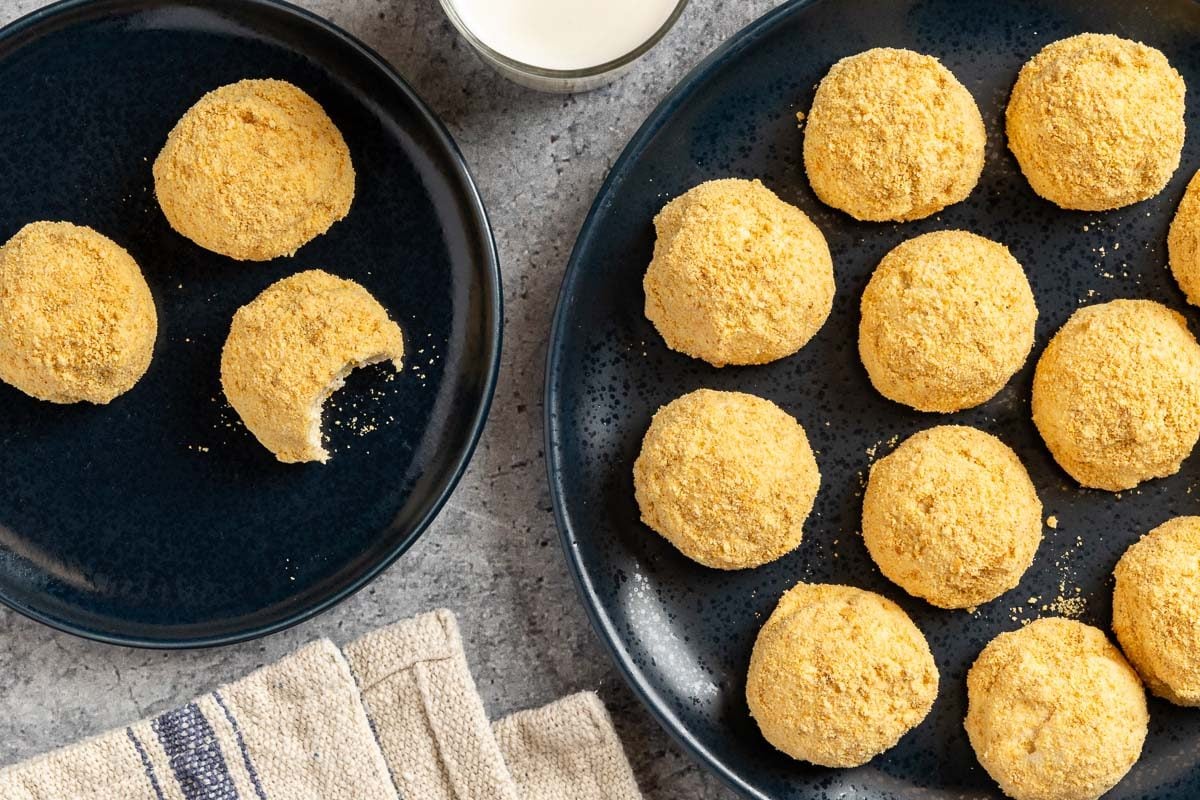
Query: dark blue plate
column 158, row 520
column 681, row 633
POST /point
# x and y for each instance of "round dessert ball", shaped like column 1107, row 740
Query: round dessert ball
column 1054, row 712
column 1096, row 122
column 1183, row 242
column 838, row 675
column 1156, row 609
column 892, row 135
column 253, row 171
column 738, row 275
column 952, row 517
column 1116, row 394
column 728, row 478
column 947, row 319
column 291, row 347
column 77, row 321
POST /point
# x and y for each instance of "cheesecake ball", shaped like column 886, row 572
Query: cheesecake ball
column 1183, row 242
column 738, row 275
column 892, row 135
column 292, row 347
column 838, row 675
column 1116, row 394
column 728, row 478
column 1054, row 712
column 951, row 516
column 1156, row 609
column 253, row 171
column 947, row 319
column 77, row 322
column 1096, row 122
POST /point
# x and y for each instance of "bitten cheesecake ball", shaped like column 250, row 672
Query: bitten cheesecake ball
column 1116, row 394
column 728, row 478
column 738, row 275
column 892, row 135
column 292, row 347
column 951, row 516
column 1096, row 122
column 253, row 171
column 77, row 321
column 838, row 675
column 1054, row 712
column 1183, row 242
column 1156, row 609
column 947, row 319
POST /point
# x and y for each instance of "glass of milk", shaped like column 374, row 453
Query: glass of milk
column 562, row 45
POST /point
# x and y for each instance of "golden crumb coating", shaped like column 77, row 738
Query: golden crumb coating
column 892, row 135
column 291, row 347
column 1096, row 122
column 951, row 516
column 728, row 478
column 1183, row 242
column 838, row 675
column 738, row 275
column 1116, row 394
column 947, row 319
column 77, row 321
column 1054, row 712
column 1156, row 609
column 254, row 170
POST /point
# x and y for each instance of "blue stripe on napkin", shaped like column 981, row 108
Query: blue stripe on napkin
column 194, row 754
column 237, row 732
column 147, row 767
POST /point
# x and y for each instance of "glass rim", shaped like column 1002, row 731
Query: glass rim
column 448, row 6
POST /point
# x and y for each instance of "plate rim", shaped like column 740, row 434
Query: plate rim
column 481, row 232
column 602, row 626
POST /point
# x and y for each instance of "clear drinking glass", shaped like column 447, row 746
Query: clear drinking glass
column 560, row 80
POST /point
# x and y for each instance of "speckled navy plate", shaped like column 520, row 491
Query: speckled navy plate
column 681, row 633
column 158, row 520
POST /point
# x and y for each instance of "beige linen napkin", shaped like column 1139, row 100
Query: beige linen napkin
column 397, row 717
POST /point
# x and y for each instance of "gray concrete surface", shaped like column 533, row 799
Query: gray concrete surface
column 493, row 555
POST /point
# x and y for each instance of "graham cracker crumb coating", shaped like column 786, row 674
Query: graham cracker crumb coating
column 1156, row 609
column 1096, row 122
column 291, row 347
column 253, row 171
column 1116, row 394
column 77, row 321
column 892, row 135
column 952, row 517
column 728, row 478
column 1054, row 712
column 838, row 675
column 1183, row 242
column 738, row 275
column 947, row 319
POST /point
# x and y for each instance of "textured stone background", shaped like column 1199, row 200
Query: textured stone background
column 493, row 555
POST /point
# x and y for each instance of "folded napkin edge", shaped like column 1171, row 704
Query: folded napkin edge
column 544, row 724
column 379, row 655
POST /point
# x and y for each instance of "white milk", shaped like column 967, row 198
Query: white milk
column 564, row 34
